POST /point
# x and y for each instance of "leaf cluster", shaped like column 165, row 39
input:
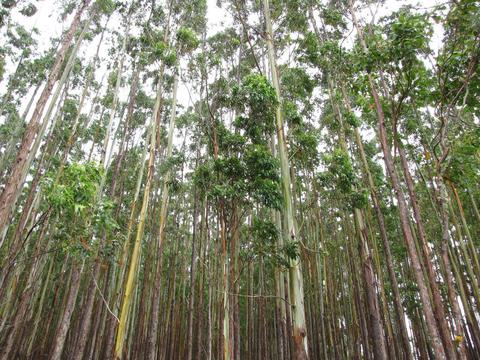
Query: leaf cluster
column 256, row 100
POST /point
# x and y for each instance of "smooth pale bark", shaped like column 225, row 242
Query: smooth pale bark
column 62, row 86
column 193, row 268
column 374, row 319
column 452, row 294
column 126, row 245
column 39, row 310
column 10, row 147
column 474, row 204
column 383, row 234
column 127, row 129
column 64, row 321
column 374, row 323
column 279, row 276
column 295, row 272
column 467, row 261
column 153, row 335
column 470, row 317
column 87, row 313
column 73, row 293
column 132, row 271
column 434, row 335
column 386, row 248
column 35, row 195
column 225, row 347
column 119, row 267
column 17, row 176
column 21, row 307
column 113, row 109
column 436, row 297
column 470, row 243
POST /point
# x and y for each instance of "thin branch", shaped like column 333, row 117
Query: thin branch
column 103, row 299
column 256, row 296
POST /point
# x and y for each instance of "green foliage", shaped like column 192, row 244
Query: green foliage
column 358, row 199
column 376, row 53
column 341, row 170
column 112, row 78
column 351, row 119
column 231, row 167
column 292, row 249
column 21, row 38
column 397, row 43
column 459, row 78
column 296, row 18
column 29, row 10
column 37, row 70
column 265, row 231
column 159, row 48
column 263, row 176
column 397, row 47
column 153, row 48
column 74, row 200
column 187, row 40
column 107, row 100
column 171, row 164
column 309, row 48
column 304, row 147
column 75, row 192
column 335, row 58
column 291, row 114
column 260, row 162
column 106, row 7
column 342, row 177
column 410, row 296
column 170, row 58
column 408, row 34
column 252, row 174
column 225, row 177
column 3, row 16
column 296, row 84
column 2, row 66
column 333, row 17
column 67, row 8
column 464, row 163
column 255, row 98
column 264, row 244
column 228, row 141
column 203, row 176
column 8, row 3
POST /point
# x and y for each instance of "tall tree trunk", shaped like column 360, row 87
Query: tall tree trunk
column 153, row 333
column 132, row 271
column 17, row 176
column 432, row 328
column 383, row 234
column 437, row 299
column 295, row 272
column 64, row 321
column 193, row 268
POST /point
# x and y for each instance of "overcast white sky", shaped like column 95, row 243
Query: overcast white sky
column 46, row 21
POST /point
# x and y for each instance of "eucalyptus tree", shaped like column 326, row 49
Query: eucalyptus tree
column 438, row 333
column 159, row 46
column 295, row 272
column 15, row 180
column 293, row 180
column 185, row 42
